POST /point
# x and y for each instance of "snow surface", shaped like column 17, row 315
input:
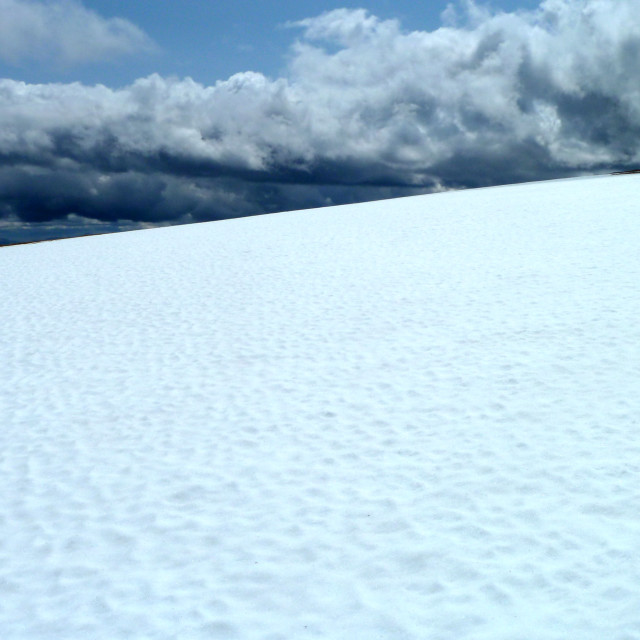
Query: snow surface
column 410, row 419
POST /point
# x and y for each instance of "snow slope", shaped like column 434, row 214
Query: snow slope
column 410, row 419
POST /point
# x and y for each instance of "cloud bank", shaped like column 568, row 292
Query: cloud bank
column 63, row 33
column 366, row 111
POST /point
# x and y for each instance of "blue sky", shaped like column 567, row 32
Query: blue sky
column 210, row 41
column 121, row 115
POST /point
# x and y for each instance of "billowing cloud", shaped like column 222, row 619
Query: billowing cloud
column 63, row 32
column 366, row 110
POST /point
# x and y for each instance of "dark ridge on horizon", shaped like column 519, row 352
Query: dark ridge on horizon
column 7, row 242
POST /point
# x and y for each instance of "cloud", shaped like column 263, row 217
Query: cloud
column 65, row 33
column 366, row 110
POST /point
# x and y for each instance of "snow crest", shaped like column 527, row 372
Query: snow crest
column 406, row 419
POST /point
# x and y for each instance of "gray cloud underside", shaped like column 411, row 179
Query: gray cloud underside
column 366, row 111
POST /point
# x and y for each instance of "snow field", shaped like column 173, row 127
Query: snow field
column 406, row 419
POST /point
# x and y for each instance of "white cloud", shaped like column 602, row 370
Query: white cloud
column 63, row 32
column 348, row 27
column 366, row 110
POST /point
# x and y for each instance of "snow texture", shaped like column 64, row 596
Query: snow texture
column 406, row 419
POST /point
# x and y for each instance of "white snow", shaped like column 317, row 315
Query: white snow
column 410, row 419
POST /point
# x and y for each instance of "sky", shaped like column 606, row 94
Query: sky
column 121, row 115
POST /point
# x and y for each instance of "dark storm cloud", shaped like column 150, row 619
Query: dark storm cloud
column 366, row 111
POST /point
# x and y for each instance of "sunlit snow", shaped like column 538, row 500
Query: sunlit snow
column 410, row 419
